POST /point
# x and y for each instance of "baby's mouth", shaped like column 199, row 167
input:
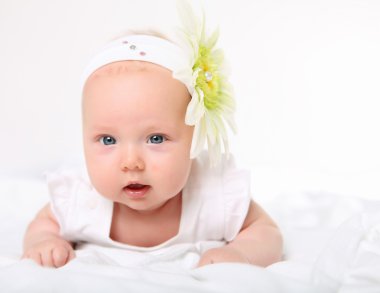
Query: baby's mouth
column 135, row 186
column 136, row 190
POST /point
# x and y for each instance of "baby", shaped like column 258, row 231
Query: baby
column 149, row 106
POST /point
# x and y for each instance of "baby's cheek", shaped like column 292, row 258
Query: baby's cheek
column 98, row 182
column 164, row 172
column 100, row 179
column 180, row 175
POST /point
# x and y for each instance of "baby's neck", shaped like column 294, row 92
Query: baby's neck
column 146, row 228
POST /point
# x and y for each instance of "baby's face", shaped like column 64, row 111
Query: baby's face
column 136, row 142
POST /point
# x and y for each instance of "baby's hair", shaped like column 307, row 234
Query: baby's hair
column 148, row 32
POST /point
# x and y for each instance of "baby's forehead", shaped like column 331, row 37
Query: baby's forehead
column 127, row 66
column 137, row 80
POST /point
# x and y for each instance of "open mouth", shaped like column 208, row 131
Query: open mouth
column 135, row 186
column 136, row 190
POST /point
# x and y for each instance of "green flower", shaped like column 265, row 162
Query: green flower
column 212, row 105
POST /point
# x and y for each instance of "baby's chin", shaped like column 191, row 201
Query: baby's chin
column 148, row 202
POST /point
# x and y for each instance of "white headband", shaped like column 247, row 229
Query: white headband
column 137, row 47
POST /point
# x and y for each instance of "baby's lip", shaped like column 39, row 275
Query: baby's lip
column 135, row 186
column 136, row 189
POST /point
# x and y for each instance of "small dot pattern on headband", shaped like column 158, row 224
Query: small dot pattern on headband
column 134, row 47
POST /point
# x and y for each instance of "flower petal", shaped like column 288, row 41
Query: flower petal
column 210, row 120
column 185, row 76
column 210, row 127
column 231, row 122
column 195, row 110
column 189, row 21
column 214, row 150
column 199, row 138
column 211, row 42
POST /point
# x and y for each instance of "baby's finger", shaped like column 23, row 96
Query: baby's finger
column 35, row 256
column 46, row 258
column 60, row 256
column 205, row 261
column 71, row 254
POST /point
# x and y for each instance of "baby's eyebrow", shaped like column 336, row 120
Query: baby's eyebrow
column 154, row 128
column 101, row 128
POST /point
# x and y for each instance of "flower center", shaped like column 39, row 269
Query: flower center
column 208, row 79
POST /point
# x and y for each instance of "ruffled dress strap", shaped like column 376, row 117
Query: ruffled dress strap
column 82, row 214
column 237, row 198
column 224, row 197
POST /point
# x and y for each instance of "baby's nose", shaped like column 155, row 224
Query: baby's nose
column 132, row 160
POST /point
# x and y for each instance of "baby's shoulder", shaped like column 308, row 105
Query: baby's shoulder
column 68, row 182
column 68, row 175
column 222, row 194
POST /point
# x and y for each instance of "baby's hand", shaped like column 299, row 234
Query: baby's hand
column 51, row 251
column 222, row 254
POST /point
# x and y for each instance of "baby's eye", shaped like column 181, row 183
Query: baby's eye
column 156, row 139
column 107, row 140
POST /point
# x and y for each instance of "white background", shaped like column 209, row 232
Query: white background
column 306, row 76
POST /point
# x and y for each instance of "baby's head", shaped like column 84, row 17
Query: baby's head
column 152, row 105
column 134, row 128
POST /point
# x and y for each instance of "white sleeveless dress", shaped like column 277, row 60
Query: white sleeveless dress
column 215, row 202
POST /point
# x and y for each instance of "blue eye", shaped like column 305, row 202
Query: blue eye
column 107, row 140
column 156, row 139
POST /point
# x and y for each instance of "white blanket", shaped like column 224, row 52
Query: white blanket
column 332, row 244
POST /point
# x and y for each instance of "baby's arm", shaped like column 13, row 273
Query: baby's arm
column 42, row 242
column 259, row 242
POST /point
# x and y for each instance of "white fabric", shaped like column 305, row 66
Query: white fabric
column 215, row 202
column 82, row 276
column 350, row 262
column 138, row 47
column 331, row 245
